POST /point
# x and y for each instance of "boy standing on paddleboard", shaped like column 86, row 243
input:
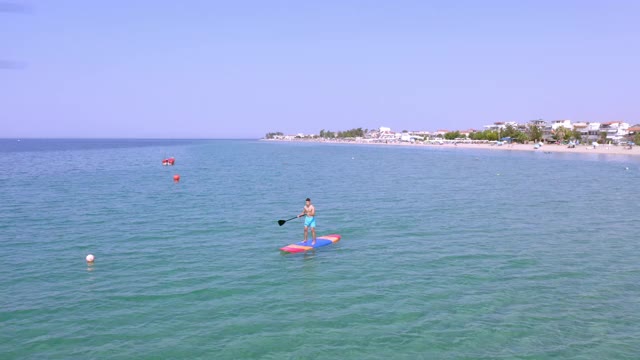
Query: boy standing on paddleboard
column 309, row 221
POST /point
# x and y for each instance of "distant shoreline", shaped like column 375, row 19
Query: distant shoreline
column 552, row 148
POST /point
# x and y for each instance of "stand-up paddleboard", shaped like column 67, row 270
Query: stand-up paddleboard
column 303, row 246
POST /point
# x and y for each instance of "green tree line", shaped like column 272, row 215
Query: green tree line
column 272, row 135
column 530, row 133
column 359, row 132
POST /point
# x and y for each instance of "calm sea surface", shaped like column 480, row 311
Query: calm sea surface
column 446, row 253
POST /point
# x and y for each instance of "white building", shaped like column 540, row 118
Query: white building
column 589, row 131
column 593, row 127
column 501, row 125
column 440, row 133
column 409, row 137
column 420, row 133
column 616, row 130
column 555, row 124
column 496, row 126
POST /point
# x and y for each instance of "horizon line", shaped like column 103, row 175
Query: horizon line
column 124, row 138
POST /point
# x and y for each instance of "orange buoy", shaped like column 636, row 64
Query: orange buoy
column 176, row 178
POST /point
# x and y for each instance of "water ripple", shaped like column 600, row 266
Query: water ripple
column 441, row 257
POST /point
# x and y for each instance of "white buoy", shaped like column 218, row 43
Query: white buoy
column 90, row 258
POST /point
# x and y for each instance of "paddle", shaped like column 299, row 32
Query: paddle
column 281, row 222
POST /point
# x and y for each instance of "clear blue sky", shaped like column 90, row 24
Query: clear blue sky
column 239, row 69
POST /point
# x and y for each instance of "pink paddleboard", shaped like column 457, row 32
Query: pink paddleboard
column 306, row 245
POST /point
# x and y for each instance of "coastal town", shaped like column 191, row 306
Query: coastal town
column 535, row 131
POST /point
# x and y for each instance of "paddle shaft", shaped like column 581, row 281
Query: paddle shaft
column 281, row 222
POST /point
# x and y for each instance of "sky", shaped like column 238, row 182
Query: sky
column 241, row 69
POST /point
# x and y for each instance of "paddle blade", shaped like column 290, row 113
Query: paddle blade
column 281, row 222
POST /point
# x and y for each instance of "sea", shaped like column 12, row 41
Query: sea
column 446, row 253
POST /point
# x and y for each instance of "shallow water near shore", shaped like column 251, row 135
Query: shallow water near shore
column 445, row 254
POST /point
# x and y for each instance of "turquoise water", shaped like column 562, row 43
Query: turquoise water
column 446, row 253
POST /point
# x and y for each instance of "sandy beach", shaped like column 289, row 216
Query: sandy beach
column 549, row 148
column 580, row 149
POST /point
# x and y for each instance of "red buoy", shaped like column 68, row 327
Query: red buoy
column 170, row 161
column 176, row 178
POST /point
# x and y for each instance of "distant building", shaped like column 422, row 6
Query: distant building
column 410, row 137
column 540, row 123
column 422, row 133
column 372, row 134
column 466, row 133
column 501, row 125
column 555, row 124
column 496, row 126
column 616, row 130
column 634, row 129
column 592, row 132
column 549, row 130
